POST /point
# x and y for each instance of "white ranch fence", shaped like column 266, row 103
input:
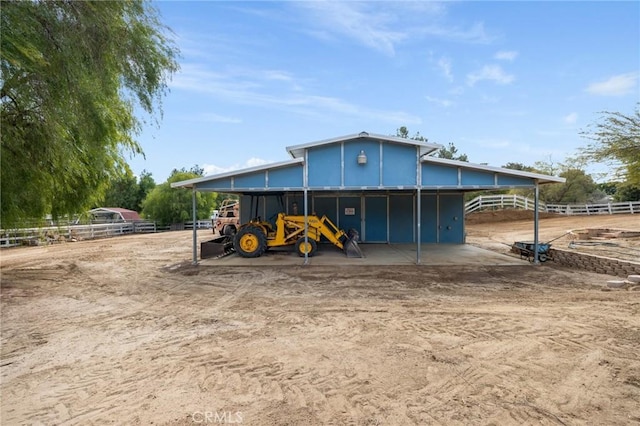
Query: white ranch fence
column 503, row 201
column 51, row 234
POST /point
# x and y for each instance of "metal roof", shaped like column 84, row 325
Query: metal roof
column 297, row 151
column 483, row 167
column 191, row 182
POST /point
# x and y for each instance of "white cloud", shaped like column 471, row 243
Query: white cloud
column 444, row 64
column 442, row 102
column 212, row 169
column 383, row 25
column 571, row 118
column 506, row 55
column 212, row 118
column 277, row 75
column 474, row 34
column 617, row 85
column 256, row 88
column 357, row 21
column 493, row 73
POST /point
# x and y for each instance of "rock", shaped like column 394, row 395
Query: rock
column 616, row 283
column 634, row 278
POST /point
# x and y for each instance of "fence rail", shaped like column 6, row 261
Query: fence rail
column 35, row 236
column 502, row 201
column 70, row 232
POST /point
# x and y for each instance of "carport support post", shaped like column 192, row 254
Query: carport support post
column 306, row 227
column 195, row 232
column 418, row 239
column 536, row 261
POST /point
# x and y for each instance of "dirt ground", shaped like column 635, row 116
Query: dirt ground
column 127, row 331
column 497, row 230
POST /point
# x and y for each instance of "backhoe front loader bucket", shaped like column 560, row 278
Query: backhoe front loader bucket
column 218, row 247
column 350, row 246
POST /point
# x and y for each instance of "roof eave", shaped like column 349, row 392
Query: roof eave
column 543, row 179
column 190, row 183
column 297, row 151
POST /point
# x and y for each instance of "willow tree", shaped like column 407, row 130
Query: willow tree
column 615, row 139
column 73, row 73
column 167, row 205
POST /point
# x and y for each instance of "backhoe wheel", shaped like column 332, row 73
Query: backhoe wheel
column 250, row 241
column 309, row 247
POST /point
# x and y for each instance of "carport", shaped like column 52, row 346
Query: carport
column 390, row 190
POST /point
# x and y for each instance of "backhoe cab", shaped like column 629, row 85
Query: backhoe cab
column 255, row 237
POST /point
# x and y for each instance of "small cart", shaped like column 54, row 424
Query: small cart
column 526, row 249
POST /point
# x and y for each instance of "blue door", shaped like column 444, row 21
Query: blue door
column 429, row 224
column 451, row 218
column 375, row 219
column 401, row 218
column 325, row 206
column 349, row 214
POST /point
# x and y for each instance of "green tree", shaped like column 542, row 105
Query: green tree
column 122, row 192
column 450, row 152
column 519, row 166
column 579, row 188
column 616, row 140
column 72, row 74
column 145, row 185
column 403, row 132
column 627, row 192
column 127, row 191
column 168, row 205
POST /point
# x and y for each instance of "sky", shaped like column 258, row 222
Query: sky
column 503, row 81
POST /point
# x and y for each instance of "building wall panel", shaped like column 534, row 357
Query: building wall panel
column 476, row 177
column 253, row 180
column 514, row 180
column 286, row 177
column 399, row 165
column 439, row 175
column 357, row 175
column 324, row 166
column 218, row 184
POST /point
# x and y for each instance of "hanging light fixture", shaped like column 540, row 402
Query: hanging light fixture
column 362, row 157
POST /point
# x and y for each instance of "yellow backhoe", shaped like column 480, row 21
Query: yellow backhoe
column 255, row 237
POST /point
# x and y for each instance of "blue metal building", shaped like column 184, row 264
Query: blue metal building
column 387, row 188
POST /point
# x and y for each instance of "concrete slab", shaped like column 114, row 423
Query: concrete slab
column 377, row 254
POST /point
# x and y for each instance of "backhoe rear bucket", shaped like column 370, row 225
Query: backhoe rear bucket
column 350, row 246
